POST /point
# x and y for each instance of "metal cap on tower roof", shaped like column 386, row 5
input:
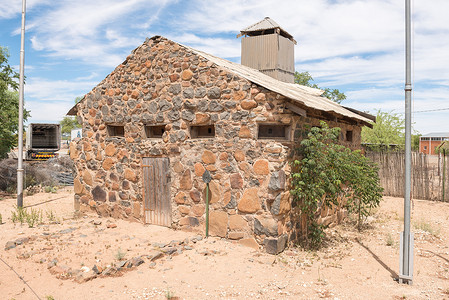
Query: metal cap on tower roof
column 267, row 24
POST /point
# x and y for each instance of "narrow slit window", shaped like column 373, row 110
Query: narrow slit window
column 349, row 135
column 154, row 132
column 116, row 131
column 271, row 131
column 207, row 131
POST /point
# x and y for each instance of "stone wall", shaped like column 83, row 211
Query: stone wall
column 164, row 83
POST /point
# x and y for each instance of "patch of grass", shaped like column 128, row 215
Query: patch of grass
column 427, row 227
column 1, row 219
column 18, row 215
column 51, row 216
column 49, row 297
column 34, row 217
column 390, row 240
column 169, row 294
column 119, row 255
column 11, row 189
column 51, row 189
column 21, row 215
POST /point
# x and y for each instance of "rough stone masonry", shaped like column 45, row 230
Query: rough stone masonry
column 166, row 84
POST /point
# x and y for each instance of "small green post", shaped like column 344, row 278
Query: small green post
column 207, row 209
column 444, row 171
column 207, row 178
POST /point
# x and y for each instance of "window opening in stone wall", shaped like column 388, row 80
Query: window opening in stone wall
column 349, row 135
column 154, row 131
column 116, row 130
column 271, row 131
column 206, row 131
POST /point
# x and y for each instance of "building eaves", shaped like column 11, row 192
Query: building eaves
column 437, row 134
column 266, row 24
column 300, row 94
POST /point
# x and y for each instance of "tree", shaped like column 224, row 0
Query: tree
column 9, row 105
column 415, row 141
column 68, row 123
column 387, row 130
column 304, row 78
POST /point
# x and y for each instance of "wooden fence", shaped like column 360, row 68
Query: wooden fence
column 428, row 175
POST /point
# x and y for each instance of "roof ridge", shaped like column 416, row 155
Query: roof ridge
column 266, row 19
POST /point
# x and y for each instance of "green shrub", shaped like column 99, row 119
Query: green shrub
column 19, row 215
column 51, row 189
column 326, row 171
column 120, row 255
column 34, row 217
column 51, row 216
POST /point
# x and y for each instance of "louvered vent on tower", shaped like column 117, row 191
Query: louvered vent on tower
column 270, row 49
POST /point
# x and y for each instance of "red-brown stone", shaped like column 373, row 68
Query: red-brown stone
column 261, row 167
column 250, row 202
column 236, row 181
column 208, row 157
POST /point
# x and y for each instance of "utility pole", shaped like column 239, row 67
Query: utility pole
column 21, row 83
column 406, row 258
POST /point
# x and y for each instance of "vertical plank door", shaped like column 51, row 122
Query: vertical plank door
column 156, row 190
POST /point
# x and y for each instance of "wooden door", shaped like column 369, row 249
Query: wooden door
column 156, row 190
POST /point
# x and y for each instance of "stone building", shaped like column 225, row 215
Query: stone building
column 168, row 113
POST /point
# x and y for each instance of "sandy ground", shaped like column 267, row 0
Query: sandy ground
column 354, row 266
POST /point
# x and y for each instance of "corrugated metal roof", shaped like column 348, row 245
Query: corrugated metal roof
column 436, row 134
column 304, row 95
column 266, row 24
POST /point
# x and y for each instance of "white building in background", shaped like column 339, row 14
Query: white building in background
column 76, row 133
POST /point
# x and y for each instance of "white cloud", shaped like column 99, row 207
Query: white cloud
column 217, row 46
column 423, row 99
column 11, row 8
column 95, row 32
column 354, row 45
column 89, row 77
column 43, row 112
column 50, row 100
column 42, row 89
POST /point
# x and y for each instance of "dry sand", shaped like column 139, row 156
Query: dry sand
column 354, row 266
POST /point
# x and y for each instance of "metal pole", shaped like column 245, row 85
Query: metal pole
column 20, row 141
column 406, row 272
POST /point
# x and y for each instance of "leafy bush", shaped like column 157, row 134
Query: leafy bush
column 19, row 215
column 326, row 172
column 33, row 218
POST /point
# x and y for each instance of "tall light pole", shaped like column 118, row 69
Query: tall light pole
column 406, row 257
column 21, row 83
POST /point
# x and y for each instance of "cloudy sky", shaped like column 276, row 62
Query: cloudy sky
column 355, row 46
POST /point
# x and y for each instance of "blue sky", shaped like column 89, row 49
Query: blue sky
column 355, row 46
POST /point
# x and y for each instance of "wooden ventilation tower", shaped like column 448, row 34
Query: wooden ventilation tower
column 270, row 49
